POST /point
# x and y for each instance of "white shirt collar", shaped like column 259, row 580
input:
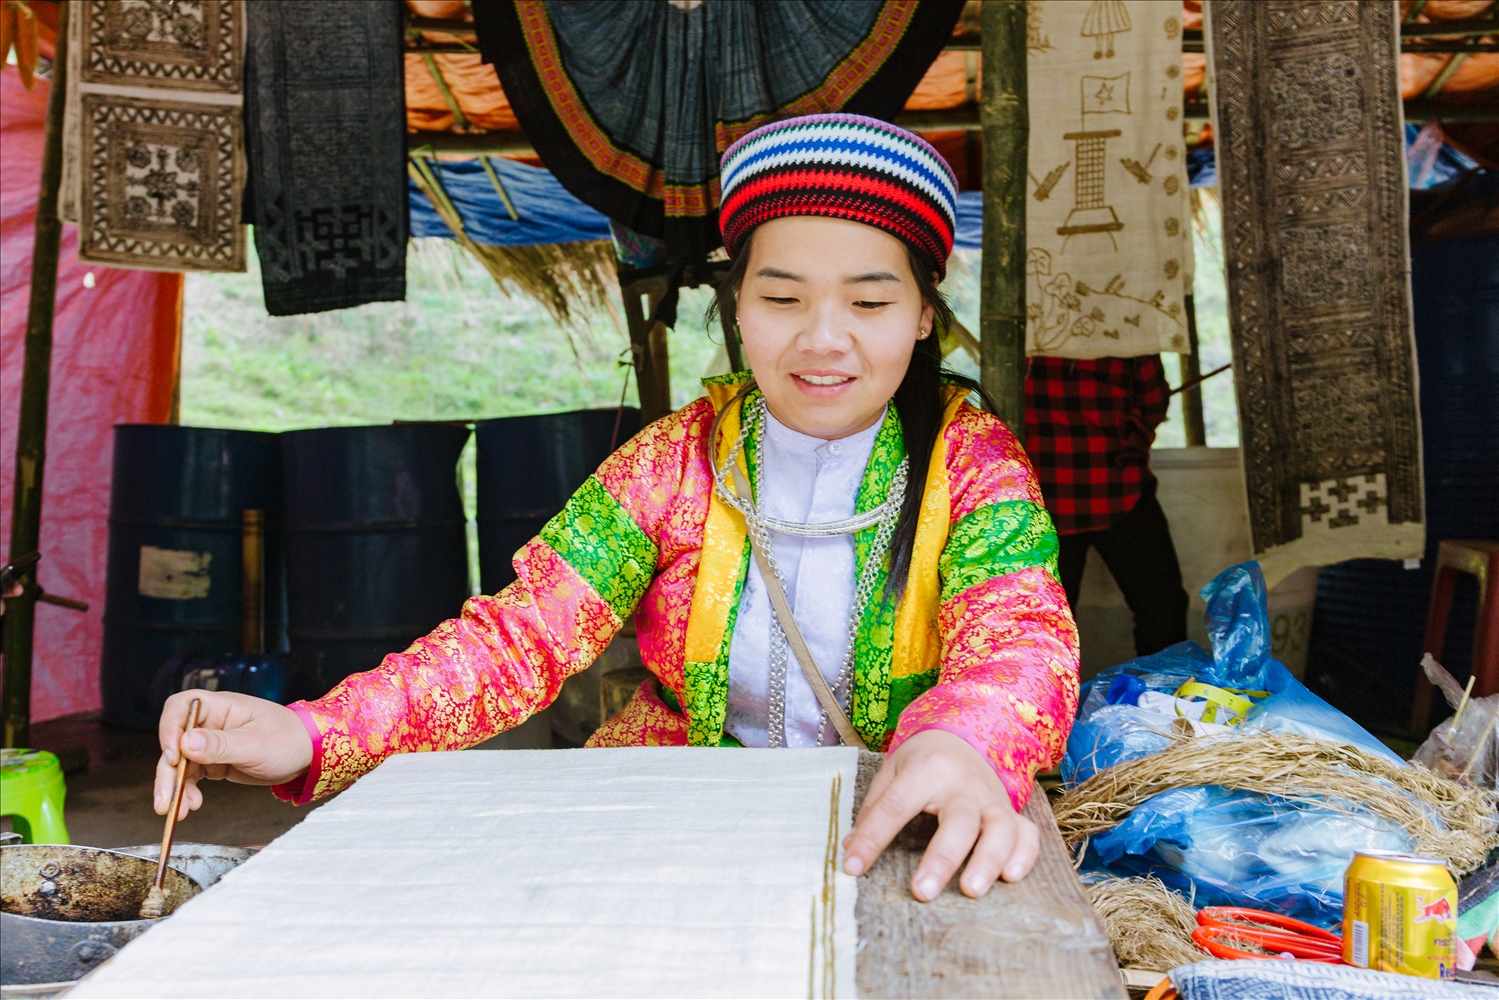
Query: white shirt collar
column 794, row 443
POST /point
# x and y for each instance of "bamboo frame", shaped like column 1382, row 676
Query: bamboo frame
column 31, row 435
column 1005, row 115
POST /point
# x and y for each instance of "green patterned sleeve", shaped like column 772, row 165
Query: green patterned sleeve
column 996, row 539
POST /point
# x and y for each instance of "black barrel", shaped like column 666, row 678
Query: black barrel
column 376, row 554
column 1371, row 613
column 176, row 509
column 527, row 468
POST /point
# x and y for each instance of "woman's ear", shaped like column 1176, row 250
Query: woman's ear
column 927, row 323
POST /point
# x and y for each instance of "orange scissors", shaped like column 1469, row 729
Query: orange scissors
column 1282, row 936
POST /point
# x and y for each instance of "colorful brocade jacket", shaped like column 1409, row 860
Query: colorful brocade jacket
column 981, row 644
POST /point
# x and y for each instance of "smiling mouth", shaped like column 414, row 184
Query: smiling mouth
column 825, row 379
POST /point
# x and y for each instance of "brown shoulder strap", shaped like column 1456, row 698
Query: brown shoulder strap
column 794, row 639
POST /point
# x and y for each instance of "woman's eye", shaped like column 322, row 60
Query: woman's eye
column 780, row 301
column 870, row 305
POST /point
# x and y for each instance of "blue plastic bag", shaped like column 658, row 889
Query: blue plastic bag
column 1220, row 846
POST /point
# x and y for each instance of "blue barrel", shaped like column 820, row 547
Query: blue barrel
column 1370, row 620
column 376, row 553
column 527, row 467
column 176, row 507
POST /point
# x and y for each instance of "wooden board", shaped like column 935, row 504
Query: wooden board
column 1036, row 938
column 407, row 885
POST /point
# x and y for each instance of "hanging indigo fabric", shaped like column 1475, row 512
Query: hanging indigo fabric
column 1311, row 165
column 631, row 104
column 325, row 117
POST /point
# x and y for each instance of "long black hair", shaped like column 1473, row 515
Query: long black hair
column 919, row 399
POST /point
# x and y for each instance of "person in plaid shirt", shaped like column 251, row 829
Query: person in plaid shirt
column 1088, row 429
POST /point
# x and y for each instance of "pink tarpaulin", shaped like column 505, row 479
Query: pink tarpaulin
column 114, row 360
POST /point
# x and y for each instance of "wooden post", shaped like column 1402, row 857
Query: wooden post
column 1197, row 431
column 648, row 345
column 31, row 430
column 1005, row 118
column 252, row 582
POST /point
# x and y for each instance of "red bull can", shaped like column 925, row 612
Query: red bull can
column 1400, row 915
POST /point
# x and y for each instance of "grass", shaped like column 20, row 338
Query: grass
column 457, row 349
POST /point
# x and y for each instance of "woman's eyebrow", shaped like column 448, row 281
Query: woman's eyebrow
column 871, row 276
column 775, row 272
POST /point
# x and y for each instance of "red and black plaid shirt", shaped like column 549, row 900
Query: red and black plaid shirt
column 1088, row 429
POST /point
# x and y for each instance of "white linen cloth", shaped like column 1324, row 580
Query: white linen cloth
column 610, row 872
column 811, row 480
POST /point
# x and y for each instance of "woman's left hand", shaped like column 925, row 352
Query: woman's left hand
column 939, row 773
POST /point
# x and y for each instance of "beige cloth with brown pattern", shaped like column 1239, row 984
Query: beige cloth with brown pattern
column 1108, row 221
column 153, row 145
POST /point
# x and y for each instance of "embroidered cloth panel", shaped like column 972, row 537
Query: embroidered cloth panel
column 1311, row 166
column 627, row 872
column 325, row 116
column 153, row 149
column 1108, row 220
column 632, row 104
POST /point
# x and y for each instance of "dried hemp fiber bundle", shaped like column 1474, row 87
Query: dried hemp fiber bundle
column 1451, row 821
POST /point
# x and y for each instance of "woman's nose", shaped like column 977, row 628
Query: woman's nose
column 827, row 333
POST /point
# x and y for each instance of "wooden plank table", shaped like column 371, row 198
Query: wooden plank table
column 1035, row 938
column 473, row 873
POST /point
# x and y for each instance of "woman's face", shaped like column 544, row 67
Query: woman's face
column 829, row 313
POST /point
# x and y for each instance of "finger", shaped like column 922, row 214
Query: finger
column 877, row 786
column 161, row 792
column 957, row 829
column 169, row 728
column 192, row 798
column 1027, row 850
column 174, row 718
column 995, row 847
column 216, row 746
column 879, row 822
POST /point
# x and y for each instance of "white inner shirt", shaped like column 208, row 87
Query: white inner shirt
column 811, row 480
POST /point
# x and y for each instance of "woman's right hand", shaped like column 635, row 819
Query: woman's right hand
column 248, row 740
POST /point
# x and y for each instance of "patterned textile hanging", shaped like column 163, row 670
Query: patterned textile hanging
column 153, row 150
column 631, row 105
column 325, row 113
column 1108, row 219
column 1311, row 165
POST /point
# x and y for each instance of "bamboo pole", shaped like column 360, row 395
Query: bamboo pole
column 648, row 345
column 31, row 431
column 1005, row 119
column 1192, row 418
column 252, row 582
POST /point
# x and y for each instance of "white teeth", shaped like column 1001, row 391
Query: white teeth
column 824, row 379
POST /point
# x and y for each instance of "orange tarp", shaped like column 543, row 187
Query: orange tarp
column 472, row 83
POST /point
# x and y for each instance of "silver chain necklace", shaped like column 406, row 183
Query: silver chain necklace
column 882, row 518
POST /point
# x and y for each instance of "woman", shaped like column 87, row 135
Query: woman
column 961, row 660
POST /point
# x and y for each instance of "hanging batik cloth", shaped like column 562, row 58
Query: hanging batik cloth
column 1108, row 220
column 631, row 105
column 153, row 154
column 1312, row 170
column 325, row 114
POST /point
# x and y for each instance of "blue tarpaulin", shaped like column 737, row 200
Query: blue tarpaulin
column 548, row 214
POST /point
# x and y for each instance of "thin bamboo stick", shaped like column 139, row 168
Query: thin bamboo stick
column 447, row 95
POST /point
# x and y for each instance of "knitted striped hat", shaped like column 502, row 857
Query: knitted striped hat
column 843, row 167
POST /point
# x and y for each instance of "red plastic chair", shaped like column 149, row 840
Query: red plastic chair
column 1481, row 559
